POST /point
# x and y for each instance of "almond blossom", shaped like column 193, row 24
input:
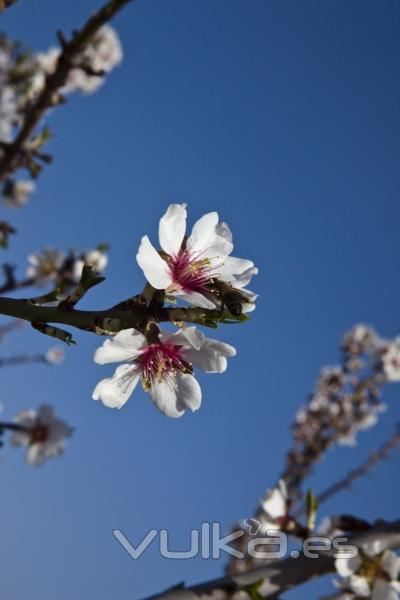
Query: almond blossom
column 16, row 193
column 390, row 360
column 371, row 574
column 164, row 367
column 42, row 432
column 44, row 267
column 275, row 507
column 198, row 268
column 96, row 259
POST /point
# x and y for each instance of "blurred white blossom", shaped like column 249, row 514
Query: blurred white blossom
column 96, row 259
column 42, row 433
column 44, row 267
column 16, row 193
column 369, row 575
column 390, row 356
column 55, row 355
column 101, row 56
column 274, row 507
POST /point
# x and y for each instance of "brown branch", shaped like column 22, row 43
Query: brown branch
column 6, row 4
column 122, row 316
column 49, row 96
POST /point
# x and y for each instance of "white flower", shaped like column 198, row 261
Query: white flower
column 370, row 575
column 359, row 339
column 191, row 268
column 42, row 433
column 275, row 507
column 8, row 113
column 93, row 258
column 54, row 356
column 391, row 360
column 165, row 368
column 101, row 56
column 44, row 64
column 44, row 267
column 16, row 193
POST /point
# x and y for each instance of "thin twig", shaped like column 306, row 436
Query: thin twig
column 366, row 467
column 54, row 82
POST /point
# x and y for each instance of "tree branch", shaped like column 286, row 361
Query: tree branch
column 123, row 316
column 49, row 96
column 280, row 576
column 4, row 4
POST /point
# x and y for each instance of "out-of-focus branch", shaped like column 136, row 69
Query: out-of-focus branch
column 6, row 4
column 50, row 97
column 276, row 577
column 368, row 465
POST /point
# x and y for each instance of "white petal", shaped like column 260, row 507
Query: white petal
column 384, row 590
column 359, row 585
column 126, row 345
column 210, row 239
column 347, row 566
column 390, row 563
column 116, row 390
column 275, row 504
column 154, row 267
column 195, row 298
column 237, row 271
column 164, row 396
column 188, row 392
column 202, row 233
column 189, row 337
column 172, row 228
column 35, row 454
column 211, row 357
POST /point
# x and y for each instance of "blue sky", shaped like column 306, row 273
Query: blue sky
column 284, row 117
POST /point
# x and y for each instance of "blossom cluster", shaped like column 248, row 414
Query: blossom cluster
column 63, row 270
column 346, row 400
column 22, row 78
column 372, row 574
column 196, row 269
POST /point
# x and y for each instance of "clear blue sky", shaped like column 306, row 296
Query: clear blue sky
column 284, row 117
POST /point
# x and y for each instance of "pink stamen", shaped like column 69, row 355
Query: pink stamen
column 160, row 360
column 189, row 271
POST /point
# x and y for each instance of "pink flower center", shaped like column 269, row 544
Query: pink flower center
column 160, row 360
column 190, row 272
column 39, row 434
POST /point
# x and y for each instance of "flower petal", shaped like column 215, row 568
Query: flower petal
column 115, row 391
column 188, row 392
column 153, row 266
column 164, row 396
column 211, row 357
column 172, row 228
column 126, row 345
column 210, row 239
column 203, row 231
column 384, row 590
column 195, row 298
column 189, row 337
column 237, row 271
column 390, row 563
